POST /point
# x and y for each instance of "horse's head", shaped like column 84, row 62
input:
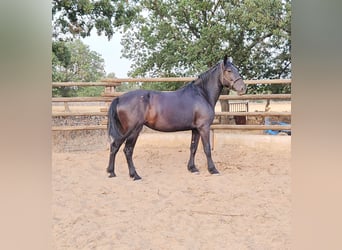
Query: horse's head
column 231, row 77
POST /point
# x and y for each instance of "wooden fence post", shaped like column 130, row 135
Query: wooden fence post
column 66, row 107
column 109, row 91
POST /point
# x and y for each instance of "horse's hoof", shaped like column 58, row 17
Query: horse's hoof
column 136, row 178
column 214, row 171
column 111, row 175
column 194, row 170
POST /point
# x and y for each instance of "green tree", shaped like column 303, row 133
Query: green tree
column 78, row 17
column 184, row 38
column 73, row 61
column 111, row 75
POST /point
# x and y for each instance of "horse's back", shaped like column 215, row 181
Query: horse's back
column 132, row 96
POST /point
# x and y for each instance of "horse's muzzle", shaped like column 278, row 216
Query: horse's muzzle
column 241, row 88
column 242, row 92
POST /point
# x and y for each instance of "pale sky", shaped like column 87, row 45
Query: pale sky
column 110, row 52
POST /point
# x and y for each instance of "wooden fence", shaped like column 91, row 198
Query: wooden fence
column 110, row 93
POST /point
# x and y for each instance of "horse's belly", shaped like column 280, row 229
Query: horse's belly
column 169, row 128
column 170, row 122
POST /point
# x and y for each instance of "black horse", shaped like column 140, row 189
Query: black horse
column 188, row 108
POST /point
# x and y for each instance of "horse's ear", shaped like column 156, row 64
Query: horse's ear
column 225, row 59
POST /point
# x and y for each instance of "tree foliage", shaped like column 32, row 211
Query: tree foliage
column 185, row 38
column 78, row 17
column 174, row 38
column 73, row 61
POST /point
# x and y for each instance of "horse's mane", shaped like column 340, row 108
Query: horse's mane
column 205, row 75
column 202, row 78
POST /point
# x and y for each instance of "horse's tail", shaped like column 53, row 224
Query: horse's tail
column 113, row 125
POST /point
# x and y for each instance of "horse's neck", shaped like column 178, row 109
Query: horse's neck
column 214, row 93
column 212, row 89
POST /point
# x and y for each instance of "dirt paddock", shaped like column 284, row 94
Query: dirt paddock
column 247, row 206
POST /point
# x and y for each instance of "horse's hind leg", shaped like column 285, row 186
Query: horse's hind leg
column 114, row 148
column 129, row 147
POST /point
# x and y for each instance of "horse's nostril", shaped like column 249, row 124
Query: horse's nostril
column 243, row 89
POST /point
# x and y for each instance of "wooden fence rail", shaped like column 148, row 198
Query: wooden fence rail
column 187, row 79
column 86, row 113
column 109, row 97
column 118, row 81
column 213, row 127
column 112, row 83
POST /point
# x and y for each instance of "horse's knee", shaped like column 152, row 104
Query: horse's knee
column 207, row 150
column 128, row 150
column 114, row 147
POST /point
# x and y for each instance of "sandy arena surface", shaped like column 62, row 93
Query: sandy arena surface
column 248, row 206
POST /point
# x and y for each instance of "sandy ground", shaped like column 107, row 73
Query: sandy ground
column 248, row 206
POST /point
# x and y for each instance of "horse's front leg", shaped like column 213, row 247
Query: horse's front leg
column 205, row 136
column 193, row 148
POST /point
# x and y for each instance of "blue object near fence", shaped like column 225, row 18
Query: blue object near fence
column 275, row 132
